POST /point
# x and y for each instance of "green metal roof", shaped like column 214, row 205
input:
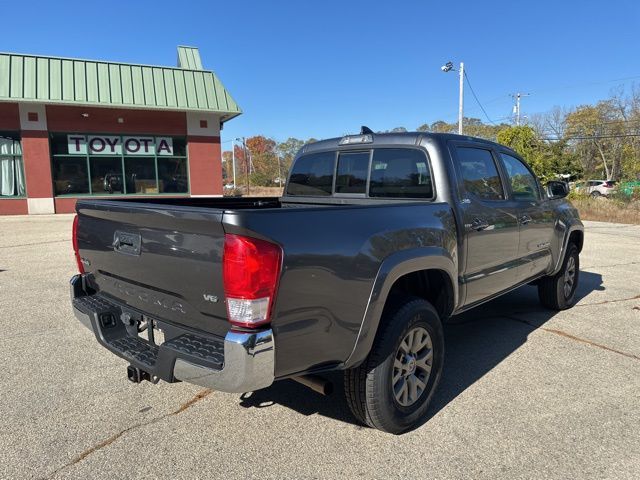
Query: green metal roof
column 96, row 83
column 189, row 57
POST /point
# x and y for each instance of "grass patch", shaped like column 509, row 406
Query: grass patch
column 607, row 209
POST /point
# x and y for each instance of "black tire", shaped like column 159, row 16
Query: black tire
column 595, row 194
column 551, row 290
column 369, row 387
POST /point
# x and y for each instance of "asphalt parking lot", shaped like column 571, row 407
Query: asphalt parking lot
column 526, row 393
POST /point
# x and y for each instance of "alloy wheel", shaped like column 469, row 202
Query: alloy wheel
column 412, row 366
column 569, row 277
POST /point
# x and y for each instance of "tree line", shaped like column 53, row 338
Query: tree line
column 600, row 141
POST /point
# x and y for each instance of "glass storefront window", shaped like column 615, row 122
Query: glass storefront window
column 106, row 175
column 71, row 176
column 172, row 175
column 12, row 182
column 141, row 175
column 111, row 164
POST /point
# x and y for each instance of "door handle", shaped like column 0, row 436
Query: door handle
column 524, row 219
column 479, row 224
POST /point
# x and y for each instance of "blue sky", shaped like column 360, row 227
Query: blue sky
column 322, row 69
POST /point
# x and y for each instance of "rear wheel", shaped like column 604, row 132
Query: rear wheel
column 595, row 194
column 392, row 388
column 559, row 292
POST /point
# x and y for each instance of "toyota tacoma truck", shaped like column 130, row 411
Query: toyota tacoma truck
column 377, row 240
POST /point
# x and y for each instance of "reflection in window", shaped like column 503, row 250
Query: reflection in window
column 106, row 175
column 140, row 174
column 352, row 172
column 479, row 173
column 11, row 170
column 70, row 175
column 172, row 175
column 312, row 175
column 523, row 183
column 400, row 173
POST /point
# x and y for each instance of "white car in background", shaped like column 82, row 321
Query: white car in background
column 596, row 188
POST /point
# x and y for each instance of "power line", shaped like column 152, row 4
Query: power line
column 476, row 97
column 586, row 84
column 589, row 137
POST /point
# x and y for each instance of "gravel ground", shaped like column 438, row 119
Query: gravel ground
column 526, row 393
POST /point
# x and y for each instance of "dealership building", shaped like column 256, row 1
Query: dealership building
column 72, row 128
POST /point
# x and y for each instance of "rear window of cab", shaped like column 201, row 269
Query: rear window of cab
column 379, row 173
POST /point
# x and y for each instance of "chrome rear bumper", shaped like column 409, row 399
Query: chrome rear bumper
column 241, row 362
column 249, row 360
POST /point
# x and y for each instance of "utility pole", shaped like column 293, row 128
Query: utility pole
column 233, row 160
column 461, row 101
column 279, row 171
column 246, row 162
column 516, row 108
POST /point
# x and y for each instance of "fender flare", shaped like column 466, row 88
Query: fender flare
column 391, row 269
column 574, row 227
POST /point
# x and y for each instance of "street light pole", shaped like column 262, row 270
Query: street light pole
column 246, row 160
column 447, row 68
column 461, row 100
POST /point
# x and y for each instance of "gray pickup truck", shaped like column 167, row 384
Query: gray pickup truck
column 377, row 240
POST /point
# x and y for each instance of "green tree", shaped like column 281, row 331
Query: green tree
column 523, row 139
column 547, row 159
column 287, row 151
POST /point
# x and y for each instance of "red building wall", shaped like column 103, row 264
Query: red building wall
column 13, row 206
column 205, row 165
column 62, row 119
column 9, row 117
column 37, row 164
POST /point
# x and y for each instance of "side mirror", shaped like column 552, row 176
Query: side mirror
column 557, row 190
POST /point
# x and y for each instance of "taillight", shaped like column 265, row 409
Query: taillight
column 250, row 272
column 74, row 239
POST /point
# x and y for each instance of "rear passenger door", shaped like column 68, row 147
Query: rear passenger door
column 490, row 222
column 535, row 216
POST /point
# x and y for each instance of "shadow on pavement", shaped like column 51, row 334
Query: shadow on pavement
column 476, row 341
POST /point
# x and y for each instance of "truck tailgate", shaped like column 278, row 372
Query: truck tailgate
column 165, row 261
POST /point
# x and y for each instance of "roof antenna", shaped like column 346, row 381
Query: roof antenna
column 364, row 130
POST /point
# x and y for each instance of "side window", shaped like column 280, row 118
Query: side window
column 400, row 173
column 523, row 183
column 479, row 173
column 352, row 172
column 312, row 175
